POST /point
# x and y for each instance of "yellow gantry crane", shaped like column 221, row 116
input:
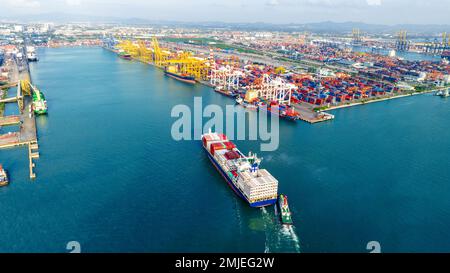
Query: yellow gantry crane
column 129, row 47
column 25, row 87
column 183, row 62
column 187, row 64
column 144, row 53
column 160, row 57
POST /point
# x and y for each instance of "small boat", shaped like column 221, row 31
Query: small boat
column 3, row 177
column 443, row 93
column 246, row 105
column 251, row 106
column 223, row 91
column 285, row 213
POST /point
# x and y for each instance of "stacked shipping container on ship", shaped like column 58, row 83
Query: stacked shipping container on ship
column 256, row 186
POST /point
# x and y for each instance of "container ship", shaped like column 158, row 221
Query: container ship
column 39, row 102
column 172, row 71
column 31, row 54
column 285, row 213
column 3, row 177
column 246, row 104
column 282, row 110
column 255, row 186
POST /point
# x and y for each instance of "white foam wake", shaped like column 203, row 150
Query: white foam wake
column 279, row 238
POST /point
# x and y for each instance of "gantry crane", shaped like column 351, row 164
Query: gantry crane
column 160, row 57
column 189, row 65
column 144, row 53
column 129, row 47
column 402, row 43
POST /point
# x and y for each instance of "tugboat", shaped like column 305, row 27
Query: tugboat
column 3, row 177
column 285, row 213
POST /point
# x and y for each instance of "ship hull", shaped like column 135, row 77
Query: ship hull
column 278, row 113
column 189, row 80
column 226, row 93
column 40, row 112
column 235, row 189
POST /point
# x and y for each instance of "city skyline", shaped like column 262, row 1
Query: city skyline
column 384, row 12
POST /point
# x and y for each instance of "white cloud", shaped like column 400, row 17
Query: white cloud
column 73, row 2
column 273, row 3
column 24, row 3
column 374, row 2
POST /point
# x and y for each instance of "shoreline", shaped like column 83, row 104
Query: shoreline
column 327, row 116
column 379, row 100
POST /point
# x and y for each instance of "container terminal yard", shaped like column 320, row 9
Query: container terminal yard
column 310, row 78
column 299, row 76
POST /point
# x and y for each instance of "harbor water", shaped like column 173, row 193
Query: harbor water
column 409, row 56
column 112, row 178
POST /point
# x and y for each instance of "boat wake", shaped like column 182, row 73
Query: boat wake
column 279, row 238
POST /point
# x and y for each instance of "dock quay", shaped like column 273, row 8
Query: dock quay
column 309, row 115
column 27, row 133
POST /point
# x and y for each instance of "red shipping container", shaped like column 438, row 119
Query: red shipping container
column 216, row 147
column 229, row 145
column 232, row 155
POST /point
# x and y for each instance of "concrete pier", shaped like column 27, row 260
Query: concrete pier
column 309, row 115
column 9, row 120
column 26, row 120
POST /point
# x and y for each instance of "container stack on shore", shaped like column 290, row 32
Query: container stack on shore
column 375, row 76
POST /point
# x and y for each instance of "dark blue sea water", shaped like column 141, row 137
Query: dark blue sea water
column 111, row 177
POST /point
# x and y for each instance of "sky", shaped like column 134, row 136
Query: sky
column 388, row 12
